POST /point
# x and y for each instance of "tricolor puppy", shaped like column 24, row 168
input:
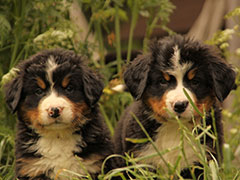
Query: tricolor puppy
column 59, row 126
column 156, row 80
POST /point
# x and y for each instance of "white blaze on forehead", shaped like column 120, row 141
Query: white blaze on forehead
column 51, row 66
column 178, row 71
column 176, row 57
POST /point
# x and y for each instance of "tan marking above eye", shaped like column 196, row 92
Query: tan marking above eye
column 166, row 76
column 65, row 81
column 41, row 83
column 191, row 74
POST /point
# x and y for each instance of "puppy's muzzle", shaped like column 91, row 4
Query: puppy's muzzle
column 54, row 112
column 180, row 106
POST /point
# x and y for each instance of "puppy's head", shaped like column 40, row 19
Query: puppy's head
column 53, row 89
column 176, row 63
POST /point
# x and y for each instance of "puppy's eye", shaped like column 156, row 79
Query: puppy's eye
column 163, row 82
column 39, row 91
column 164, row 79
column 195, row 82
column 69, row 88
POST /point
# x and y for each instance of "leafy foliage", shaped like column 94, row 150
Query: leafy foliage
column 27, row 26
column 221, row 39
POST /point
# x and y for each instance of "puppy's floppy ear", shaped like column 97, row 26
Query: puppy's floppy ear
column 13, row 91
column 136, row 75
column 223, row 77
column 92, row 86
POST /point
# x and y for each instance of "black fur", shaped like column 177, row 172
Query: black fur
column 221, row 74
column 92, row 85
column 143, row 78
column 13, row 92
column 23, row 94
column 137, row 74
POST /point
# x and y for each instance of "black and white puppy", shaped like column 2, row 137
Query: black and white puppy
column 59, row 126
column 156, row 80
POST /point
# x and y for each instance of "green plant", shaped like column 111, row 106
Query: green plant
column 21, row 21
column 29, row 26
column 222, row 38
column 232, row 125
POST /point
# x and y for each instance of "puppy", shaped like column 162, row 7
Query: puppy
column 59, row 126
column 156, row 80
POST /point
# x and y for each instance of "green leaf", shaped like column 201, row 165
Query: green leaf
column 235, row 12
column 214, row 170
column 144, row 13
column 5, row 29
column 137, row 141
column 192, row 103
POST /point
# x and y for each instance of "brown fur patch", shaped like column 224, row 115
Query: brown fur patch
column 191, row 74
column 79, row 110
column 205, row 104
column 32, row 116
column 41, row 83
column 65, row 81
column 159, row 107
column 26, row 165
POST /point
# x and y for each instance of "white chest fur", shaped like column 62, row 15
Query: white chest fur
column 169, row 137
column 57, row 155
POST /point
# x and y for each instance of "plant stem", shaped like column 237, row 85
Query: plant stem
column 19, row 7
column 100, row 41
column 118, row 41
column 132, row 27
column 107, row 120
column 151, row 25
column 14, row 53
column 192, row 103
column 218, row 148
column 150, row 139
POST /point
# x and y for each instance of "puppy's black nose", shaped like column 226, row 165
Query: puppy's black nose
column 54, row 112
column 180, row 106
